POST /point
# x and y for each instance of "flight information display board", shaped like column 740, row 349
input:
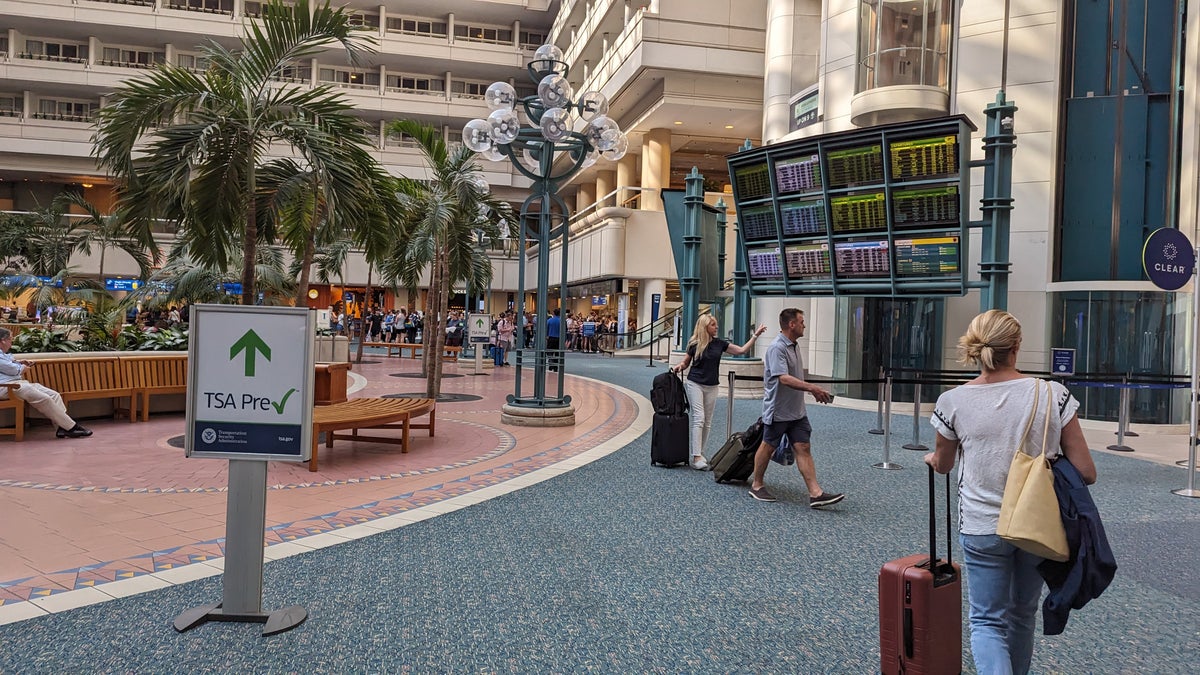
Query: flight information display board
column 869, row 212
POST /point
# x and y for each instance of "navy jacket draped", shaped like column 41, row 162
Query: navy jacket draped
column 1091, row 566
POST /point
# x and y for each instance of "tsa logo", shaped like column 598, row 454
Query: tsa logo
column 208, row 435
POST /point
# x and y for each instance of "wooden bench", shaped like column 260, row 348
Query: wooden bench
column 370, row 413
column 149, row 374
column 85, row 377
column 414, row 348
column 18, row 408
column 451, row 353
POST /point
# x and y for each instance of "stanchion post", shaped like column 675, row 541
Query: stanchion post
column 916, row 443
column 887, row 428
column 1128, row 418
column 878, row 406
column 650, row 351
column 1122, row 418
column 1190, row 490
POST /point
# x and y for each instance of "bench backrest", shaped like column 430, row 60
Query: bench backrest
column 83, row 374
column 153, row 371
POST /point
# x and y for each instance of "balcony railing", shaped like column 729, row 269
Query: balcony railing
column 410, row 90
column 124, row 64
column 170, row 4
column 46, row 57
column 139, row 3
column 62, row 118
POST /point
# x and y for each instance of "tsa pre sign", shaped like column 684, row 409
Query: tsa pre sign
column 250, row 389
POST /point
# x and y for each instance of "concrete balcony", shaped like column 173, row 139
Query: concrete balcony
column 899, row 103
column 398, row 102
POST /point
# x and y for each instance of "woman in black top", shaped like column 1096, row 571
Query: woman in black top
column 704, row 352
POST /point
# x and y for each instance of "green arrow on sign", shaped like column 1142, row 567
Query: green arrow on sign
column 250, row 342
column 479, row 323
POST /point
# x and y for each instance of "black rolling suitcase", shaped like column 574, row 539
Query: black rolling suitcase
column 669, row 433
column 669, row 440
column 735, row 460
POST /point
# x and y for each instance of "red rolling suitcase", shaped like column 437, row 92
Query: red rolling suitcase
column 920, row 607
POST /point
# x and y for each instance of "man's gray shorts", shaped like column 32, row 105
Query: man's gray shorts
column 798, row 431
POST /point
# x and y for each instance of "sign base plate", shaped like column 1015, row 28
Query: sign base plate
column 275, row 622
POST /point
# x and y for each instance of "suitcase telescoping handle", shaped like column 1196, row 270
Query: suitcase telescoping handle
column 729, row 406
column 933, row 525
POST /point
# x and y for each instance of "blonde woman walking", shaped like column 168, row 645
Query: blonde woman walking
column 704, row 352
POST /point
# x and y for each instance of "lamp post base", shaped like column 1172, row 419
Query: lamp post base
column 521, row 416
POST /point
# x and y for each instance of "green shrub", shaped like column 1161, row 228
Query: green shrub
column 171, row 339
column 40, row 340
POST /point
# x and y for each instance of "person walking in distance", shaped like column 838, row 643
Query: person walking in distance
column 43, row 399
column 553, row 330
column 982, row 422
column 784, row 412
column 703, row 381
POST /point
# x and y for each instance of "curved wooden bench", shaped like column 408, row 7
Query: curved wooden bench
column 85, row 377
column 370, row 413
column 18, row 408
column 151, row 374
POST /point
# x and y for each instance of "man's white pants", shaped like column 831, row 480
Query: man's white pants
column 44, row 400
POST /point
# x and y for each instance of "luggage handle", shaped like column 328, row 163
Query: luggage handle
column 729, row 406
column 933, row 566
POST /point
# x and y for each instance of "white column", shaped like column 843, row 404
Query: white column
column 383, row 124
column 26, row 104
column 382, row 20
column 382, row 79
column 170, row 52
column 449, row 78
column 239, row 7
column 627, row 168
column 517, row 34
column 605, row 182
column 316, row 71
column 12, row 42
column 450, row 27
column 94, row 46
column 792, row 49
column 656, row 168
column 647, row 288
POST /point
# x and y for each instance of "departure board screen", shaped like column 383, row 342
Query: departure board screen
column 858, row 212
column 855, row 166
column 803, row 218
column 925, row 206
column 765, row 263
column 924, row 158
column 808, row 261
column 801, row 174
column 877, row 211
column 931, row 256
column 758, row 223
column 752, row 182
column 862, row 258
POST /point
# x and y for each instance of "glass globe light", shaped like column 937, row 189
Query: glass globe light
column 556, row 124
column 504, row 126
column 618, row 150
column 548, row 53
column 592, row 158
column 492, row 154
column 555, row 91
column 529, row 161
column 500, row 96
column 477, row 135
column 602, row 131
column 592, row 104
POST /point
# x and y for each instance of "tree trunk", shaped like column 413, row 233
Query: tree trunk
column 250, row 240
column 310, row 247
column 432, row 302
column 362, row 333
column 439, row 337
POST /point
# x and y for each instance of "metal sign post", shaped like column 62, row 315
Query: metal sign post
column 479, row 333
column 1169, row 260
column 249, row 400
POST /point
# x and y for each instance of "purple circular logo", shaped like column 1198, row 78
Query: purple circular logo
column 1168, row 258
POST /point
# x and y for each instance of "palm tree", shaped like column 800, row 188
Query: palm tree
column 443, row 219
column 184, row 279
column 113, row 232
column 202, row 138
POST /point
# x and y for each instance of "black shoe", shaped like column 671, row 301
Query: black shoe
column 74, row 432
column 825, row 499
column 762, row 494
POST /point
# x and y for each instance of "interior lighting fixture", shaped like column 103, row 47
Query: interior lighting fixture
column 677, row 123
column 86, row 185
column 728, row 126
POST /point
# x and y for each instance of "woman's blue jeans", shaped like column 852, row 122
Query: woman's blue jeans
column 1003, row 589
column 497, row 355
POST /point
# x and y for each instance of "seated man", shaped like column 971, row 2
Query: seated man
column 44, row 400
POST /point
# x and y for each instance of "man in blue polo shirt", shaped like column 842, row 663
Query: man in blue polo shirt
column 553, row 330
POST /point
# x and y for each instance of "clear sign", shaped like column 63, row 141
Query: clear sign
column 1168, row 258
column 479, row 328
column 250, row 383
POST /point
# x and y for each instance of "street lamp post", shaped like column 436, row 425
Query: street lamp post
column 565, row 136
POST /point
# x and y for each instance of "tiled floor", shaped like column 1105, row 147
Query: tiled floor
column 124, row 511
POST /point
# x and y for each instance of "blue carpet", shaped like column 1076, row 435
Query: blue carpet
column 621, row 567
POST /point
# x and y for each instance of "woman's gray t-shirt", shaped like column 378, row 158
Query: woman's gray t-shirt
column 987, row 420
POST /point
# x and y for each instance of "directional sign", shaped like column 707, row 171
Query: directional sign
column 1062, row 361
column 479, row 328
column 250, row 386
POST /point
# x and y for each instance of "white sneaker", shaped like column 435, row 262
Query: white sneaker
column 700, row 465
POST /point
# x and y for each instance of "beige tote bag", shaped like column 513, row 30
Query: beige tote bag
column 1029, row 514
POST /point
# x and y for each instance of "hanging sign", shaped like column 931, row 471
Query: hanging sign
column 1168, row 258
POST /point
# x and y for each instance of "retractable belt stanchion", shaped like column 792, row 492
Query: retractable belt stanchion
column 879, row 407
column 1122, row 418
column 916, row 442
column 887, row 428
